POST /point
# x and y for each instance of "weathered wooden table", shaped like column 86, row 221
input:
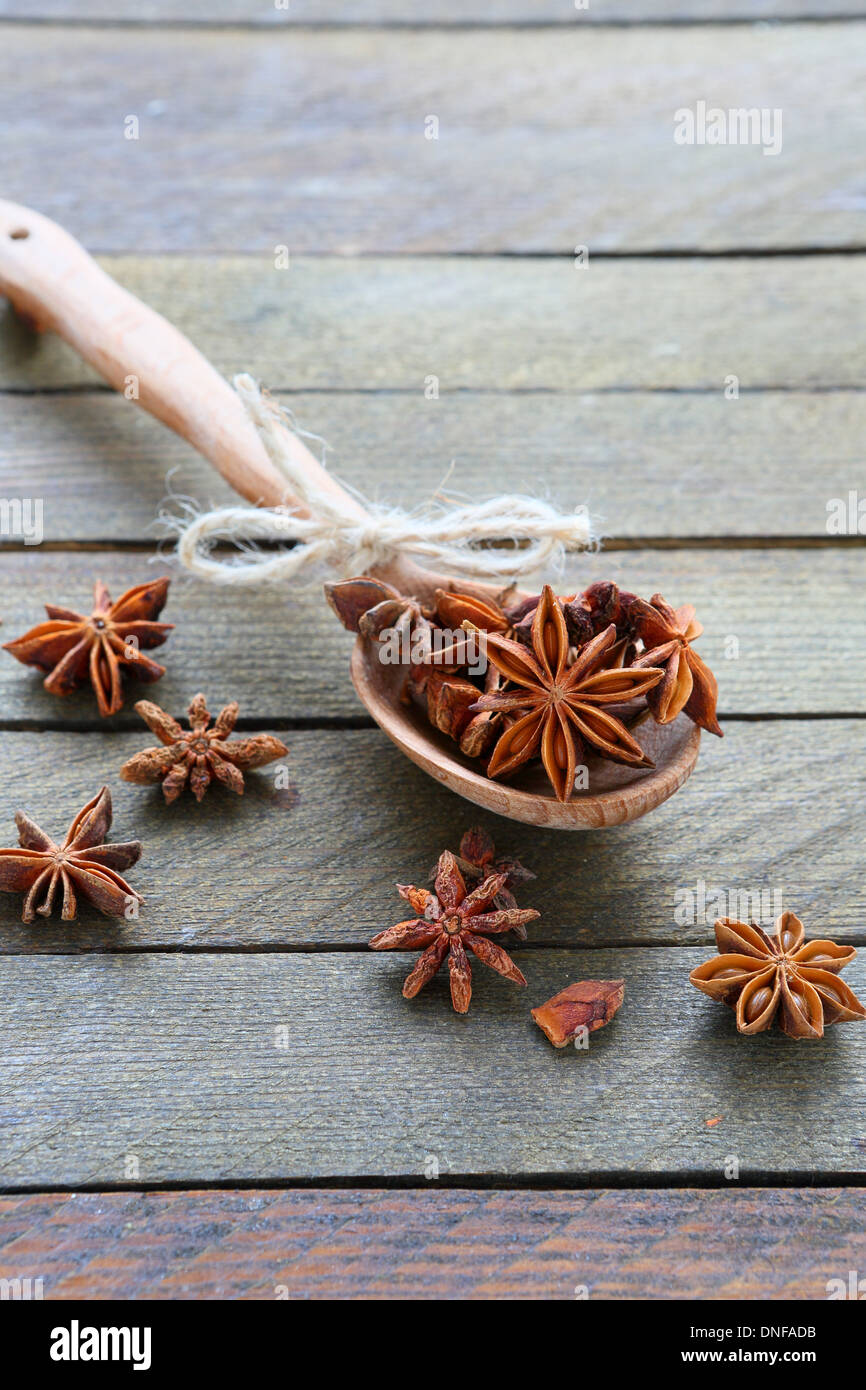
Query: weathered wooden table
column 230, row 1097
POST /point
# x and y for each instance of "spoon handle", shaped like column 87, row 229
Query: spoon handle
column 54, row 283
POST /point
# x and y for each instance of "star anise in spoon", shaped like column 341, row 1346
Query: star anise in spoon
column 451, row 922
column 763, row 976
column 83, row 864
column 688, row 682
column 198, row 754
column 601, row 604
column 73, row 647
column 558, row 704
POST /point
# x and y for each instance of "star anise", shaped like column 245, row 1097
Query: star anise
column 488, row 615
column 198, row 754
column 476, row 860
column 688, row 682
column 761, row 976
column 371, row 607
column 455, row 609
column 449, row 923
column 601, row 604
column 84, row 863
column 72, row 647
column 557, row 705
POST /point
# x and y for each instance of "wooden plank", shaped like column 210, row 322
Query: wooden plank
column 318, row 141
column 647, row 466
column 766, row 820
column 284, row 657
column 281, row 1067
column 357, row 1244
column 434, row 12
column 530, row 325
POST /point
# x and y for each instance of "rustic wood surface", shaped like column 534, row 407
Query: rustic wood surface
column 365, row 177
column 629, row 457
column 239, row 1032
column 181, row 1068
column 315, row 863
column 524, row 325
column 358, row 1244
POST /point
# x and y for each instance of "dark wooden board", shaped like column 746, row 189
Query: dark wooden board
column 281, row 1067
column 432, row 13
column 649, row 464
column 355, row 1244
column 522, row 325
column 766, row 814
column 771, row 617
column 316, row 140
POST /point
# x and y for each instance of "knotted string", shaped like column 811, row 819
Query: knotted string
column 496, row 539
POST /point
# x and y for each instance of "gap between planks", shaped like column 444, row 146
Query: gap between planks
column 472, row 1182
column 611, row 543
column 445, row 26
column 127, row 724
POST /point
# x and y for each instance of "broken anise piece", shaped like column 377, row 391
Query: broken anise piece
column 587, row 1004
column 688, row 683
column 450, row 922
column 601, row 604
column 198, row 754
column 557, row 705
column 760, row 976
column 371, row 607
column 84, row 863
column 352, row 598
column 72, row 647
column 455, row 609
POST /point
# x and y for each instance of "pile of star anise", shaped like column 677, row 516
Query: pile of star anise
column 543, row 677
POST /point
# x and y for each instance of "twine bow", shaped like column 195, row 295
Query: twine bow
column 500, row 538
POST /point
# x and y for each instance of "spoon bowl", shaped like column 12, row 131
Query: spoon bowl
column 619, row 793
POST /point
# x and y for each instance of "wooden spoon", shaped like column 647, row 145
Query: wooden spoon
column 54, row 283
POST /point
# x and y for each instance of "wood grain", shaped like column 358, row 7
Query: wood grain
column 527, row 325
column 437, row 1244
column 647, row 465
column 767, row 819
column 317, row 140
column 280, row 1067
column 286, row 657
column 432, row 13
